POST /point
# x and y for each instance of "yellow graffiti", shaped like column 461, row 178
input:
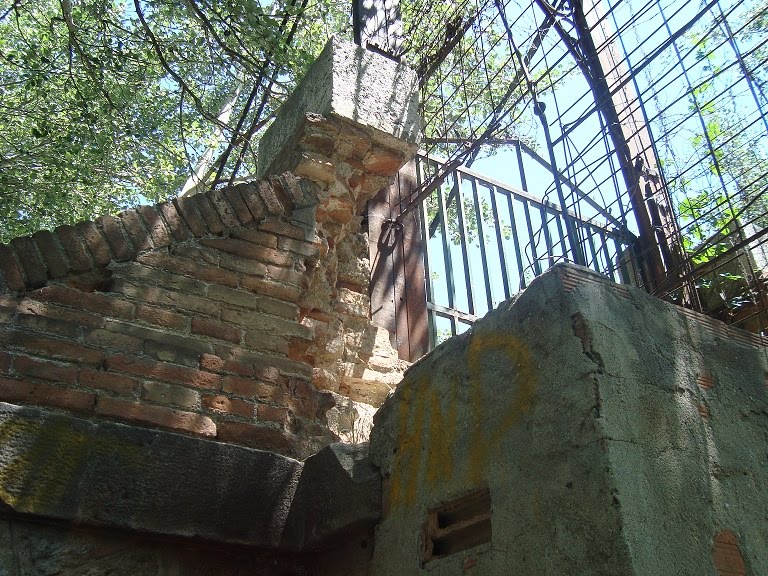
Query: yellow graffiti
column 40, row 476
column 427, row 425
column 485, row 345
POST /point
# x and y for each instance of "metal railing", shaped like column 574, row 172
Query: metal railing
column 484, row 241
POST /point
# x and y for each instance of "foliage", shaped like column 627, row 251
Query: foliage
column 107, row 103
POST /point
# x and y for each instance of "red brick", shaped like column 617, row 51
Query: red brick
column 60, row 349
column 727, row 555
column 278, row 307
column 270, row 199
column 107, row 339
column 156, row 415
column 73, row 316
column 215, row 329
column 244, row 265
column 224, row 208
column 232, row 194
column 208, row 213
column 249, row 250
column 211, row 362
column 226, row 405
column 250, row 196
column 299, row 350
column 170, row 394
column 271, row 288
column 286, row 275
column 174, row 221
column 186, row 208
column 31, row 262
column 171, row 353
column 95, row 243
column 161, row 296
column 147, row 275
column 256, row 236
column 189, row 267
column 251, row 388
column 5, row 362
column 258, row 437
column 52, row 252
column 306, row 400
column 301, row 192
column 45, row 370
column 266, row 323
column 109, row 306
column 74, row 248
column 157, row 229
column 112, row 229
column 108, row 381
column 307, row 249
column 45, row 395
column 162, row 371
column 37, row 323
column 10, row 271
column 196, row 254
column 284, row 229
column 162, row 337
column 136, row 230
column 265, row 341
column 161, row 317
column 240, row 298
column 215, row 276
column 271, row 413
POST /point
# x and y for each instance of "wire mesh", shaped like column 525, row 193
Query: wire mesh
column 647, row 114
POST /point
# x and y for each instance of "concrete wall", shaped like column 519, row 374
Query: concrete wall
column 615, row 434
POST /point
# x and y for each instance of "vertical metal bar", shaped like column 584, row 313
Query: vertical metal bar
column 499, row 242
column 591, row 243
column 463, row 227
column 427, row 273
column 563, row 243
column 516, row 242
column 481, row 238
column 446, row 249
column 743, row 66
column 547, row 237
column 573, row 239
column 534, row 255
column 607, row 255
column 521, row 166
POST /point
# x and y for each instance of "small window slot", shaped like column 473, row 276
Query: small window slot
column 457, row 525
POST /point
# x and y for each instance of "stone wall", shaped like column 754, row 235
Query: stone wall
column 581, row 428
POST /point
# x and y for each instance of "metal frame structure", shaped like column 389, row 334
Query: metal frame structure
column 591, row 91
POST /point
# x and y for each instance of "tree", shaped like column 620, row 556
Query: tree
column 105, row 104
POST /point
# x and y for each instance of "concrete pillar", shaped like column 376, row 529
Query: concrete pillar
column 582, row 428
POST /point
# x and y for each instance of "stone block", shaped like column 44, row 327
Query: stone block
column 349, row 85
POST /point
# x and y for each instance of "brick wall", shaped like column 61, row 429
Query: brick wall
column 184, row 315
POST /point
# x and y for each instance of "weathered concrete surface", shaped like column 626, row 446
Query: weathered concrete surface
column 161, row 483
column 616, row 434
column 369, row 91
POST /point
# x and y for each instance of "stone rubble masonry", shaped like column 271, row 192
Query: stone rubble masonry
column 615, row 434
column 349, row 127
column 183, row 315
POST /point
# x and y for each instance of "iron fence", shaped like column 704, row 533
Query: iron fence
column 484, row 241
column 647, row 116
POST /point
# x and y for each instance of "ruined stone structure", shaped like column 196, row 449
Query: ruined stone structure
column 174, row 382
